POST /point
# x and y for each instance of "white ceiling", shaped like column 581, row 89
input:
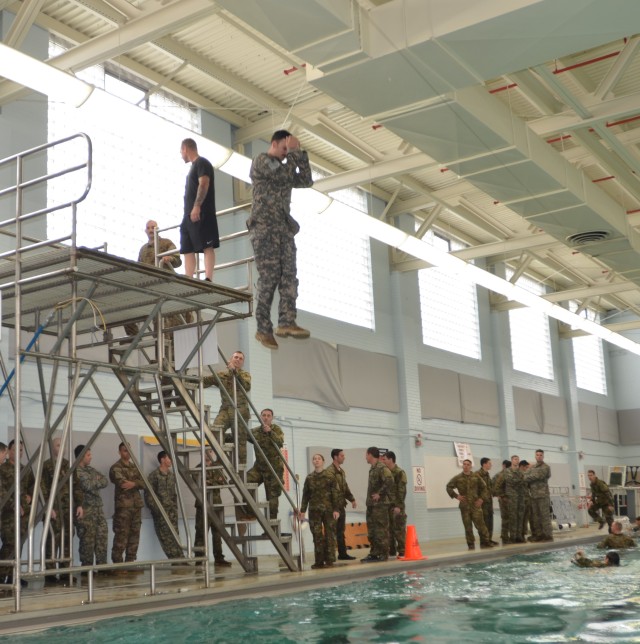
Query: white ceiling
column 510, row 125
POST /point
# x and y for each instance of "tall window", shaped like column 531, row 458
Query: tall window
column 530, row 336
column 448, row 306
column 334, row 263
column 137, row 170
column 588, row 357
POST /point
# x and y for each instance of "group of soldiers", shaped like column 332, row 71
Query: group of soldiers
column 523, row 496
column 326, row 493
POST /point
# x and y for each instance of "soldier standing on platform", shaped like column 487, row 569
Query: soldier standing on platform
column 92, row 526
column 320, row 494
column 397, row 509
column 514, row 491
column 271, row 439
column 127, row 516
column 163, row 482
column 59, row 512
column 335, row 470
column 214, row 477
column 524, row 466
column 538, row 480
column 7, row 517
column 378, row 498
column 226, row 414
column 465, row 488
column 486, row 494
column 601, row 499
column 499, row 491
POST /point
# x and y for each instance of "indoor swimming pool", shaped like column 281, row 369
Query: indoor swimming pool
column 528, row 598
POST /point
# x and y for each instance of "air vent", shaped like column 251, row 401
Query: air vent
column 590, row 237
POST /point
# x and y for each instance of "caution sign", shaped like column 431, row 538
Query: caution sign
column 419, row 480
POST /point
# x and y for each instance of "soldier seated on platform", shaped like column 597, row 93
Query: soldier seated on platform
column 226, row 414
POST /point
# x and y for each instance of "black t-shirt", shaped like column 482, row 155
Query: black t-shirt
column 199, row 168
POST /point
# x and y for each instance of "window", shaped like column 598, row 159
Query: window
column 334, row 270
column 588, row 356
column 530, row 336
column 131, row 182
column 448, row 306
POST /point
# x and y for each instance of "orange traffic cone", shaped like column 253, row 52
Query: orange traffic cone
column 412, row 550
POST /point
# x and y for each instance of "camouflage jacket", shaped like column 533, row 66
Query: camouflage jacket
column 320, row 493
column 270, row 442
column 498, row 484
column 486, row 489
column 62, row 499
column 214, row 477
column 226, row 377
column 342, row 486
column 7, row 479
column 585, row 562
column 147, row 254
column 272, row 182
column 119, row 472
column 380, row 482
column 600, row 494
column 467, row 485
column 617, row 541
column 90, row 481
column 399, row 492
column 164, row 485
column 513, row 482
column 538, row 479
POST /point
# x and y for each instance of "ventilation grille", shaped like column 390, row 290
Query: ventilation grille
column 590, row 237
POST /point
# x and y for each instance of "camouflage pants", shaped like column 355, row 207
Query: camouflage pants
column 378, row 529
column 323, row 529
column 487, row 516
column 527, row 519
column 167, row 541
column 541, row 518
column 217, row 540
column 516, row 517
column 274, row 249
column 607, row 514
column 272, row 487
column 397, row 532
column 7, row 532
column 226, row 420
column 94, row 536
column 340, row 528
column 472, row 516
column 58, row 547
column 126, row 533
column 504, row 517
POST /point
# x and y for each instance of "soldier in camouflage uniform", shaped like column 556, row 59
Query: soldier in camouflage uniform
column 336, row 471
column 163, row 482
column 610, row 559
column 397, row 513
column 226, row 414
column 514, row 491
column 379, row 490
column 272, row 230
column 215, row 476
column 499, row 491
column 601, row 499
column 92, row 526
column 60, row 510
column 538, row 480
column 127, row 516
column 320, row 495
column 466, row 488
column 270, row 438
column 616, row 539
column 486, row 494
column 7, row 517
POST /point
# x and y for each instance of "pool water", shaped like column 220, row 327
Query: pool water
column 528, row 598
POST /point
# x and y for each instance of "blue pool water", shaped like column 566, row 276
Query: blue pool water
column 528, row 598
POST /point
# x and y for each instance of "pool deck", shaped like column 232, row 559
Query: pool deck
column 180, row 586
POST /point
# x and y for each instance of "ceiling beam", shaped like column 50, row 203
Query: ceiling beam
column 517, row 244
column 23, row 22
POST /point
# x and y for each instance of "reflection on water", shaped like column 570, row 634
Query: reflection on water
column 537, row 598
